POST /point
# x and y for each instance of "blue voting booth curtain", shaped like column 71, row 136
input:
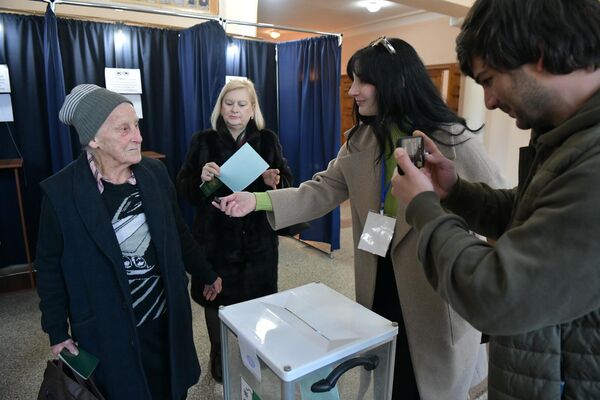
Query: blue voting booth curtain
column 27, row 137
column 61, row 151
column 309, row 117
column 256, row 61
column 82, row 41
column 153, row 51
column 182, row 74
column 201, row 77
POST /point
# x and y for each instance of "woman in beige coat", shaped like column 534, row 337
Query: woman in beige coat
column 436, row 350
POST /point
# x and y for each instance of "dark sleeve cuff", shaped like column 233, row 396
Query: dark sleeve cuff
column 210, row 276
column 58, row 335
column 460, row 195
column 424, row 208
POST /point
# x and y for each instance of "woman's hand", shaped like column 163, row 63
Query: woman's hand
column 69, row 344
column 271, row 178
column 238, row 204
column 210, row 292
column 209, row 171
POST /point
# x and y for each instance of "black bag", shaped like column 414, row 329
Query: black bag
column 295, row 229
column 61, row 383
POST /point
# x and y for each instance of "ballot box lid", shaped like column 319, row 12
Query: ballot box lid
column 298, row 331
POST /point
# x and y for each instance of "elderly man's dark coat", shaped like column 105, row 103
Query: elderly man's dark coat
column 82, row 282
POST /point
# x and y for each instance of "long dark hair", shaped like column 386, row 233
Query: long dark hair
column 406, row 96
column 506, row 34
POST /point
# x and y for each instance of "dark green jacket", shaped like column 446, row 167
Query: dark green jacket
column 537, row 291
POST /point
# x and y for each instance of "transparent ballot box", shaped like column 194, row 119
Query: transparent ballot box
column 306, row 343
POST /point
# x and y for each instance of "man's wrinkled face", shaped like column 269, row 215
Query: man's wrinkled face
column 118, row 141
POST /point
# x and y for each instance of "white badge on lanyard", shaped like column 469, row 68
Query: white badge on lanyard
column 379, row 228
column 377, row 234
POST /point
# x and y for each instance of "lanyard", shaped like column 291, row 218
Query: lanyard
column 384, row 187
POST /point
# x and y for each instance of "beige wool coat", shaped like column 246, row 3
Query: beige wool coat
column 444, row 348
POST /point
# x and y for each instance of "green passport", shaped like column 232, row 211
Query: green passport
column 209, row 187
column 83, row 364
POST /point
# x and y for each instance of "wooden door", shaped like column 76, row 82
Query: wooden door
column 446, row 77
column 347, row 104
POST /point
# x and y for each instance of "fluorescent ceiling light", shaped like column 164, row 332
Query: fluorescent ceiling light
column 373, row 6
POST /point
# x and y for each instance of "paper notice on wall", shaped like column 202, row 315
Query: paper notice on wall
column 136, row 99
column 4, row 79
column 6, row 111
column 123, row 80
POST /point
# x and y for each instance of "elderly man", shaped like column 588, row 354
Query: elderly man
column 112, row 255
column 536, row 291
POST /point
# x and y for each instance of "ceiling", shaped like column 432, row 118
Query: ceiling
column 334, row 16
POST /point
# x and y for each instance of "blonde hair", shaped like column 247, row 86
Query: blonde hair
column 233, row 85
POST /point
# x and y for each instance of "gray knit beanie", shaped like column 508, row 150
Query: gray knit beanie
column 87, row 107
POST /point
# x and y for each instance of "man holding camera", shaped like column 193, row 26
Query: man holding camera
column 536, row 290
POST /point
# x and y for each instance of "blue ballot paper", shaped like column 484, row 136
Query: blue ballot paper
column 242, row 168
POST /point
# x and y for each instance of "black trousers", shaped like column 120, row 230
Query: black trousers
column 155, row 356
column 213, row 325
column 387, row 304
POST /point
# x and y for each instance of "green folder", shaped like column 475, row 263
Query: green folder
column 82, row 364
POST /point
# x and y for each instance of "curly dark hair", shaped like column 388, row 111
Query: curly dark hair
column 506, row 34
column 406, row 96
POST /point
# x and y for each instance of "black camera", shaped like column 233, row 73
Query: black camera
column 413, row 145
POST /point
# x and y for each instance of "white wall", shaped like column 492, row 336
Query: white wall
column 239, row 10
column 430, row 34
column 501, row 138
